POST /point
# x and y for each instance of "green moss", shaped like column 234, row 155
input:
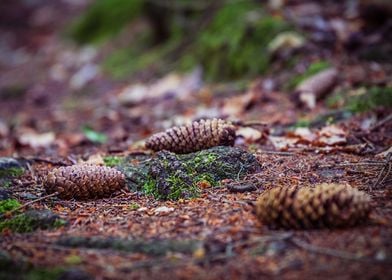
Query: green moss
column 11, row 172
column 112, row 161
column 44, row 273
column 73, row 260
column 313, row 69
column 174, row 176
column 104, row 19
column 302, row 123
column 372, row 98
column 30, row 221
column 134, row 206
column 8, row 205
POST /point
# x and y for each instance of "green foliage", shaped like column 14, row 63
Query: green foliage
column 8, row 205
column 231, row 44
column 113, row 161
column 235, row 43
column 313, row 69
column 94, row 136
column 373, row 97
column 125, row 62
column 104, row 19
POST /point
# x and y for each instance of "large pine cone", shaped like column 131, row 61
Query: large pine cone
column 84, row 181
column 194, row 137
column 325, row 206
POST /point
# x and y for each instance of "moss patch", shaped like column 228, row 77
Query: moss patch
column 9, row 168
column 112, row 161
column 31, row 220
column 8, row 205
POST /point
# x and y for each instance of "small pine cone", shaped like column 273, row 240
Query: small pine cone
column 325, row 206
column 194, row 137
column 84, row 181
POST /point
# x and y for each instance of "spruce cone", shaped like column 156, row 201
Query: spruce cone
column 325, row 206
column 84, row 181
column 194, row 137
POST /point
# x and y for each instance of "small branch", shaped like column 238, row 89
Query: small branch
column 327, row 251
column 29, row 203
column 249, row 123
column 382, row 122
column 350, row 164
column 387, row 167
column 276, row 153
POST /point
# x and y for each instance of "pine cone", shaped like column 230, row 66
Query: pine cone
column 84, row 181
column 194, row 137
column 325, row 206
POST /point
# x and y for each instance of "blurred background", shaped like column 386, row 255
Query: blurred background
column 80, row 75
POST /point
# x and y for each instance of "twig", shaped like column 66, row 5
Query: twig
column 382, row 122
column 249, row 123
column 29, row 203
column 380, row 177
column 276, row 153
column 327, row 251
column 39, row 159
column 349, row 164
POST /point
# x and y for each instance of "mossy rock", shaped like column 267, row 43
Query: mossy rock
column 173, row 176
column 32, row 220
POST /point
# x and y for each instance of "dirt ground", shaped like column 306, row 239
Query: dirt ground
column 49, row 103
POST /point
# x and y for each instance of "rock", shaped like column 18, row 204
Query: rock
column 172, row 176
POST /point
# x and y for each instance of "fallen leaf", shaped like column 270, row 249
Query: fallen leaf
column 163, row 210
column 249, row 134
column 286, row 41
column 35, row 140
column 282, row 143
column 94, row 136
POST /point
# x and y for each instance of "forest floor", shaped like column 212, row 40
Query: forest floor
column 57, row 109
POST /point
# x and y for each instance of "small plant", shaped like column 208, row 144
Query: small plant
column 112, row 161
column 73, row 260
column 370, row 99
column 134, row 206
